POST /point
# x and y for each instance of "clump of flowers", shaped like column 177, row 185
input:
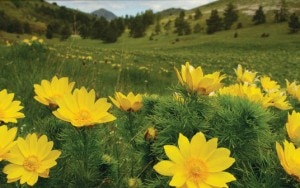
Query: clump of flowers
column 48, row 92
column 81, row 109
column 196, row 163
column 33, row 41
column 265, row 91
column 130, row 102
column 30, row 158
column 195, row 81
column 7, row 137
column 9, row 109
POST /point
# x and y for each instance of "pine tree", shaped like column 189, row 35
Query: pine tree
column 182, row 27
column 294, row 23
column 259, row 16
column 281, row 15
column 214, row 22
column 198, row 14
column 230, row 16
column 197, row 28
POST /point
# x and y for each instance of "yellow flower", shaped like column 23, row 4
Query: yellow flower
column 80, row 109
column 177, row 97
column 9, row 109
column 41, row 41
column 195, row 81
column 269, row 85
column 289, row 158
column 150, row 134
column 250, row 92
column 198, row 163
column 245, row 76
column 26, row 41
column 34, row 38
column 8, row 44
column 30, row 158
column 130, row 102
column 48, row 93
column 7, row 137
column 293, row 127
column 293, row 89
column 277, row 100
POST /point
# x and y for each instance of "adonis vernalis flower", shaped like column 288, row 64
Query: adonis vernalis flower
column 245, row 76
column 81, row 109
column 293, row 89
column 48, row 92
column 269, row 85
column 276, row 99
column 195, row 81
column 130, row 102
column 7, row 137
column 30, row 158
column 196, row 163
column 9, row 109
column 293, row 127
column 289, row 158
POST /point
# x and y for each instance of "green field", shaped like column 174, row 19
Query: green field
column 147, row 67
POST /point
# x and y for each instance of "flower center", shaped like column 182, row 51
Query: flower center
column 84, row 118
column 31, row 163
column 197, row 170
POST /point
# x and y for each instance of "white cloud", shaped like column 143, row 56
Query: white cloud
column 130, row 7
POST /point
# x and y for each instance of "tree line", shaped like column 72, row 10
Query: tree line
column 64, row 22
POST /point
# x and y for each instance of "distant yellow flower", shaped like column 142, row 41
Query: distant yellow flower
column 130, row 102
column 30, row 158
column 269, row 85
column 27, row 41
column 289, row 158
column 81, row 109
column 196, row 163
column 34, row 38
column 245, row 76
column 293, row 89
column 9, row 109
column 48, row 93
column 41, row 41
column 195, row 81
column 7, row 137
column 8, row 44
column 293, row 127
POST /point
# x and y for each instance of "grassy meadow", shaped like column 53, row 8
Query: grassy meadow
column 147, row 66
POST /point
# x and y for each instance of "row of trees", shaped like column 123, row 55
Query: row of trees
column 65, row 22
column 12, row 25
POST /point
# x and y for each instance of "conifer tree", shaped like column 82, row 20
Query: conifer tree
column 281, row 15
column 230, row 16
column 259, row 16
column 294, row 23
column 182, row 27
column 197, row 28
column 214, row 22
column 198, row 14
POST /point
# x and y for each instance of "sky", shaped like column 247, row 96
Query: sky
column 129, row 7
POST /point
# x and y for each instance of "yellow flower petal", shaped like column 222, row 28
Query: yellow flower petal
column 164, row 168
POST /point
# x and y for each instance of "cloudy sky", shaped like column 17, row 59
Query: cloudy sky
column 130, row 7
